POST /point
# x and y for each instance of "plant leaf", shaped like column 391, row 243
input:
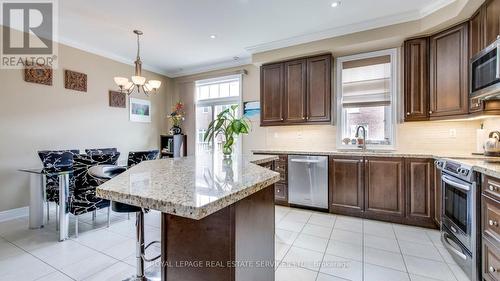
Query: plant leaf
column 229, row 142
column 236, row 125
column 219, row 124
column 234, row 106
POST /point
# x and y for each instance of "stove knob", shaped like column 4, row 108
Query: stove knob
column 492, row 223
column 492, row 269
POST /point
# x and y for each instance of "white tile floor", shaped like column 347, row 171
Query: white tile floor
column 309, row 246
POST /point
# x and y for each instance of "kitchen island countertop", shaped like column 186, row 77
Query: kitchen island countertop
column 191, row 187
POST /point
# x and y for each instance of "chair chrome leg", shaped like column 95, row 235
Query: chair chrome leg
column 76, row 226
column 57, row 217
column 48, row 212
column 128, row 216
column 109, row 217
column 93, row 215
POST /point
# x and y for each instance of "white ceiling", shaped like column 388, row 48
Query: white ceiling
column 177, row 33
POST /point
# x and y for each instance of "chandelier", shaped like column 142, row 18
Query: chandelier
column 138, row 81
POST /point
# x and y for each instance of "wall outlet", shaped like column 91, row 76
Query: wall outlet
column 453, row 133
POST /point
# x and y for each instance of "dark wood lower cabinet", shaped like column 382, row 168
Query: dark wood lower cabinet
column 384, row 189
column 211, row 249
column 346, row 185
column 419, row 192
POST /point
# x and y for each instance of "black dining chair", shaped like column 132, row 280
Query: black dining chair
column 83, row 196
column 136, row 157
column 55, row 161
column 93, row 151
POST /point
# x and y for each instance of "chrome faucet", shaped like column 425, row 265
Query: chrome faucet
column 363, row 146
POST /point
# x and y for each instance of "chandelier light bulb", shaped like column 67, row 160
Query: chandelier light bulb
column 138, row 80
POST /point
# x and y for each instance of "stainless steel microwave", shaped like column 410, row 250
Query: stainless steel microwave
column 485, row 72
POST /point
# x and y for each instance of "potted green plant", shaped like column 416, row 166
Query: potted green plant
column 228, row 124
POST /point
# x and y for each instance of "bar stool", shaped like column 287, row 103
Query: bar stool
column 140, row 247
column 103, row 173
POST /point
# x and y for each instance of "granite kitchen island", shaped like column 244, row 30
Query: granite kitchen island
column 217, row 214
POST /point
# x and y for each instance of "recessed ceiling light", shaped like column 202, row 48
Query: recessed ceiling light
column 213, row 36
column 335, row 4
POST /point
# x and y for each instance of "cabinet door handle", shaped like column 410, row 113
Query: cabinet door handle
column 492, row 188
column 408, row 113
column 430, row 111
column 282, row 119
column 493, row 223
column 492, row 269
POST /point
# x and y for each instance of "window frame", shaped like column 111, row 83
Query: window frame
column 394, row 87
column 219, row 101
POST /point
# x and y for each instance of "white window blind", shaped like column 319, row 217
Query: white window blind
column 366, row 82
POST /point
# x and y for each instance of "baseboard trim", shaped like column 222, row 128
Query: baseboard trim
column 14, row 214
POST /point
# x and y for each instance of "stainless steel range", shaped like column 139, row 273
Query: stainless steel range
column 460, row 215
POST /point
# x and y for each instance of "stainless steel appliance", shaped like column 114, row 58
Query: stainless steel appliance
column 308, row 181
column 484, row 73
column 460, row 215
column 492, row 144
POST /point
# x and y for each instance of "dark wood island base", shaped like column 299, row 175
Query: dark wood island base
column 235, row 243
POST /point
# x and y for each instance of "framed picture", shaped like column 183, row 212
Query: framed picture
column 140, row 110
column 251, row 109
column 117, row 99
column 75, row 81
column 39, row 74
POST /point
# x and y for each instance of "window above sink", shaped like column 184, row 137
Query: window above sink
column 367, row 90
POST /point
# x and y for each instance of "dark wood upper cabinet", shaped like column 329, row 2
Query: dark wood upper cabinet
column 419, row 178
column 476, row 33
column 319, row 71
column 416, row 79
column 271, row 94
column 295, row 91
column 384, row 189
column 449, row 72
column 491, row 21
column 346, row 185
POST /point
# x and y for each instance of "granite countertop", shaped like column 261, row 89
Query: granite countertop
column 190, row 187
column 483, row 164
column 378, row 153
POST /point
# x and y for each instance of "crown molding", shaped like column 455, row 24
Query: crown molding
column 351, row 28
column 212, row 67
column 111, row 56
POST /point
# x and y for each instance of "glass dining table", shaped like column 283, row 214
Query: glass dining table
column 38, row 198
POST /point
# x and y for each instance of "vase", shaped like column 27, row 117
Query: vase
column 227, row 151
column 178, row 139
column 175, row 130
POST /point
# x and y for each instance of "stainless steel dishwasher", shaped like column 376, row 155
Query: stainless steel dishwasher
column 308, row 181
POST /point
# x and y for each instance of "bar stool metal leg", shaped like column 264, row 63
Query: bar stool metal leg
column 48, row 212
column 140, row 249
column 76, row 226
column 109, row 217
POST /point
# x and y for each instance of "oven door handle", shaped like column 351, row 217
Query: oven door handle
column 451, row 248
column 455, row 184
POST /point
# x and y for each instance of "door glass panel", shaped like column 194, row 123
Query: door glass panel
column 455, row 206
column 203, row 118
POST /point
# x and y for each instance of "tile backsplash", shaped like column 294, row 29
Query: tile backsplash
column 432, row 136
